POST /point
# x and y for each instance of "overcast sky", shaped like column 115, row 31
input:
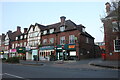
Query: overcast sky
column 24, row 14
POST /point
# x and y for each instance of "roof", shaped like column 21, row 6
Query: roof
column 86, row 34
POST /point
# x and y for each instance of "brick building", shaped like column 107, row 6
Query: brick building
column 7, row 41
column 19, row 44
column 66, row 40
column 112, row 32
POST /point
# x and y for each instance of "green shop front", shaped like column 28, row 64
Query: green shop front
column 66, row 52
column 21, row 52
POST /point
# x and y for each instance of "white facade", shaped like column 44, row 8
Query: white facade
column 33, row 37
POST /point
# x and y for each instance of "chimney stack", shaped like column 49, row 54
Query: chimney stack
column 108, row 8
column 25, row 30
column 18, row 28
column 62, row 20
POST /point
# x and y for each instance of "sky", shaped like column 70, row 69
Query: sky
column 13, row 14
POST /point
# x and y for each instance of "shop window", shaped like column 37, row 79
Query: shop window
column 71, row 39
column 117, row 45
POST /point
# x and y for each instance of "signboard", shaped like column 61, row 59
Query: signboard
column 13, row 50
column 71, row 46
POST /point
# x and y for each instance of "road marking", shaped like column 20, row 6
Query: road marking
column 14, row 75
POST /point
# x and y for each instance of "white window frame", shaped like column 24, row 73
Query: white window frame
column 13, row 46
column 16, row 44
column 45, row 32
column 51, row 40
column 116, row 45
column 16, row 38
column 25, row 44
column 83, row 29
column 51, row 30
column 44, row 41
column 21, row 37
column 62, row 28
column 24, row 36
column 71, row 39
column 62, row 40
column 115, row 26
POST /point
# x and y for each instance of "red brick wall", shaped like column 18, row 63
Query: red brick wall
column 109, row 43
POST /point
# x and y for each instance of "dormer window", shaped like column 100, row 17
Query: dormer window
column 83, row 29
column 51, row 30
column 45, row 32
column 62, row 28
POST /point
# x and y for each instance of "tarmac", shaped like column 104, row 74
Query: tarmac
column 75, row 64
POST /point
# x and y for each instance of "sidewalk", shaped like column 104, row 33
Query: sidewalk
column 76, row 64
column 107, row 64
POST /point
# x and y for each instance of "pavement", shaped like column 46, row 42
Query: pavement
column 75, row 64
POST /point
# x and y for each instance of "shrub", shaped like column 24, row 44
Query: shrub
column 3, row 58
column 13, row 60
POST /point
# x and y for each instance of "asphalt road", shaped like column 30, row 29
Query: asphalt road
column 66, row 70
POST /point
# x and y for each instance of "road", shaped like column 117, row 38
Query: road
column 67, row 70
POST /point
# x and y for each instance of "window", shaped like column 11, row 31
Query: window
column 117, row 45
column 71, row 39
column 44, row 41
column 45, row 32
column 24, row 43
column 16, row 38
column 12, row 45
column 16, row 44
column 62, row 28
column 51, row 40
column 20, row 44
column 83, row 29
column 62, row 40
column 21, row 37
column 115, row 26
column 87, row 40
column 51, row 30
column 24, row 36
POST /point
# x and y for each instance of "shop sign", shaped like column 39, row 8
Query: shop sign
column 47, row 48
column 12, row 50
column 71, row 46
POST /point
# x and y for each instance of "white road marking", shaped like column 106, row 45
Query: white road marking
column 14, row 75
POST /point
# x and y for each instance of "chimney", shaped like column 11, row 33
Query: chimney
column 62, row 20
column 9, row 31
column 18, row 28
column 108, row 7
column 25, row 30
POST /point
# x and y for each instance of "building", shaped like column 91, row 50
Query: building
column 33, row 41
column 9, row 38
column 66, row 41
column 19, row 45
column 112, row 31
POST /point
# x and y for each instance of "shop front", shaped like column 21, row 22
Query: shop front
column 1, row 54
column 21, row 52
column 6, row 54
column 66, row 52
column 13, row 53
column 35, row 54
column 47, row 53
column 28, row 53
